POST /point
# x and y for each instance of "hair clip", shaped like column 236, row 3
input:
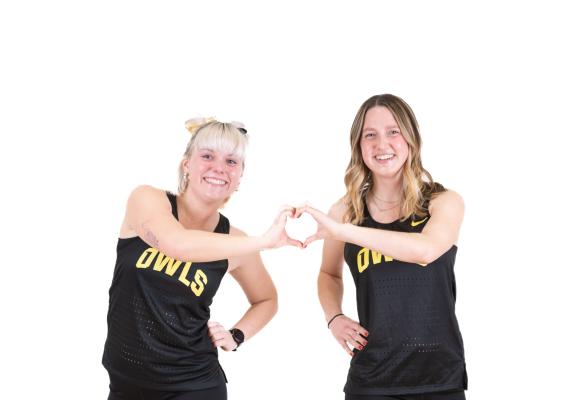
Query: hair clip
column 193, row 124
column 240, row 126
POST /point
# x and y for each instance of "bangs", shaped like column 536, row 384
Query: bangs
column 222, row 137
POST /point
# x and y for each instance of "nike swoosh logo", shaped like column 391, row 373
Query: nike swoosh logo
column 416, row 223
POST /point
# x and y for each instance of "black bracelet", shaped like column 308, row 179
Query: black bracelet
column 332, row 319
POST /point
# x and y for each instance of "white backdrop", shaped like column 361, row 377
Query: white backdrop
column 93, row 99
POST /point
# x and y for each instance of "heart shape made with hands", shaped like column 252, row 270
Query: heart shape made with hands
column 301, row 228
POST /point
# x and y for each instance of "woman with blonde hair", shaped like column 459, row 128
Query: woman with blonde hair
column 172, row 253
column 397, row 230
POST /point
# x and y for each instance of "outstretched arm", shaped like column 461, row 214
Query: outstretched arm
column 439, row 234
column 150, row 216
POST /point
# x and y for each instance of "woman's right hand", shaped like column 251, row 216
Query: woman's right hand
column 276, row 236
column 327, row 227
column 348, row 332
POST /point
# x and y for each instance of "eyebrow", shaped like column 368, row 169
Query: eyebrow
column 214, row 151
column 374, row 129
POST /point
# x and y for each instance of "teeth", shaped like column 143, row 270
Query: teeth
column 384, row 156
column 215, row 181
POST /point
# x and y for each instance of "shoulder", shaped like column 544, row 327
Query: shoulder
column 146, row 191
column 338, row 210
column 447, row 200
column 145, row 195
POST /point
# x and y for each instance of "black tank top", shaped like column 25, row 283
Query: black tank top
column 158, row 310
column 414, row 344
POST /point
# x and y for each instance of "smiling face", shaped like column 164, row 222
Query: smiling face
column 213, row 162
column 213, row 174
column 384, row 149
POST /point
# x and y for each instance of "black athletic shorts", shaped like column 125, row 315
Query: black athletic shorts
column 448, row 395
column 119, row 390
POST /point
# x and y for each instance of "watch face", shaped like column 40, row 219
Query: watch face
column 237, row 335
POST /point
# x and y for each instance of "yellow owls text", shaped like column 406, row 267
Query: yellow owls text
column 161, row 261
column 364, row 255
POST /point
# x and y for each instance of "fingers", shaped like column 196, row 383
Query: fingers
column 220, row 337
column 212, row 324
column 218, row 334
column 356, row 341
column 214, row 329
column 295, row 242
column 310, row 240
column 279, row 235
column 349, row 334
column 361, row 331
column 298, row 212
column 284, row 214
column 309, row 210
column 345, row 347
column 287, row 209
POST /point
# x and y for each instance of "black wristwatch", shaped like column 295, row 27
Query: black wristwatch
column 238, row 336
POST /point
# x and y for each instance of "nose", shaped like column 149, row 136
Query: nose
column 220, row 165
column 380, row 142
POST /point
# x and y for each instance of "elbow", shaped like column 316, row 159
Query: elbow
column 273, row 303
column 270, row 306
column 428, row 255
column 269, row 302
column 274, row 306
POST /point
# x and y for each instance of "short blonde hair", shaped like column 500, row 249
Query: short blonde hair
column 218, row 136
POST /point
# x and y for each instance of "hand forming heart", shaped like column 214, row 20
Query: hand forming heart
column 327, row 227
column 278, row 235
column 301, row 226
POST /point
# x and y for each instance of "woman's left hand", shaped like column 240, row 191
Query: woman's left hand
column 220, row 337
column 327, row 227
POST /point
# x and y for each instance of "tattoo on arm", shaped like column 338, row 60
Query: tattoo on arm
column 150, row 238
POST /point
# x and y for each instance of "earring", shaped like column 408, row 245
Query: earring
column 185, row 176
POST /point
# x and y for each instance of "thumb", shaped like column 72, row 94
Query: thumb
column 310, row 240
column 295, row 242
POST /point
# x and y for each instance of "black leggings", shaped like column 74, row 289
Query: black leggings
column 124, row 391
column 451, row 395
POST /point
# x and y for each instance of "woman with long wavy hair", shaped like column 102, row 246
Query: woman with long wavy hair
column 397, row 230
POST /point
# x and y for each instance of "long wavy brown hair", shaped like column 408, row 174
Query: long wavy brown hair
column 418, row 186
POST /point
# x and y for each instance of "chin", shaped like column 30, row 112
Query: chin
column 387, row 173
column 216, row 198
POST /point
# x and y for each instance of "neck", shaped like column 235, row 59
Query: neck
column 196, row 213
column 388, row 189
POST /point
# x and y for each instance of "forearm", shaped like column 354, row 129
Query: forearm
column 200, row 246
column 403, row 246
column 330, row 289
column 256, row 317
